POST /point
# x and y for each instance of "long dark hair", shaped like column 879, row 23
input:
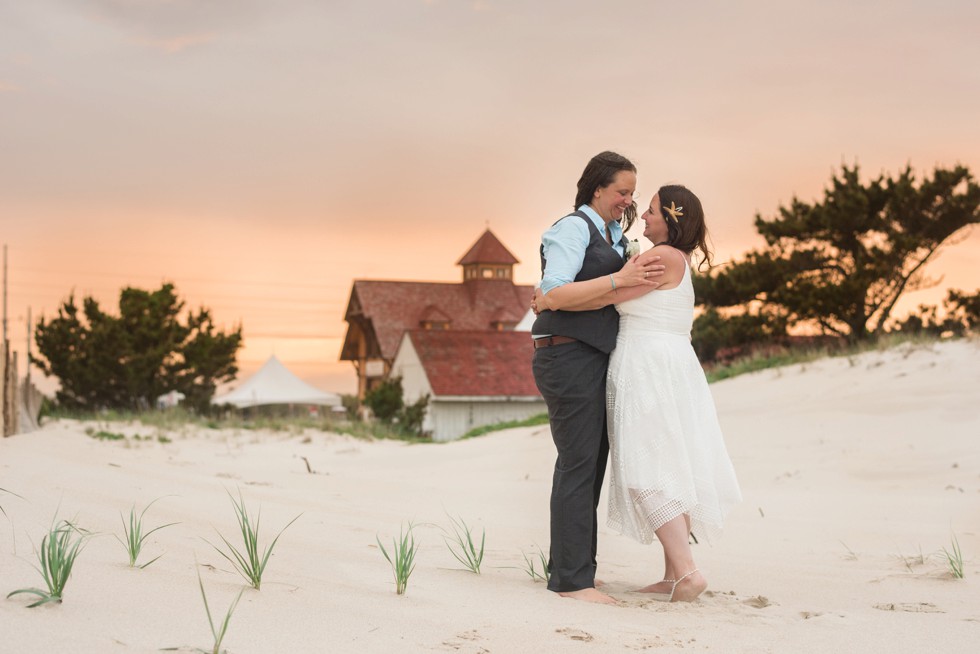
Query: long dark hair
column 688, row 233
column 600, row 172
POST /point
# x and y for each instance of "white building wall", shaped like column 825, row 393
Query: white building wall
column 450, row 419
column 415, row 383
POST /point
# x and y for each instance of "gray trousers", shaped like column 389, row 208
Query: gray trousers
column 572, row 380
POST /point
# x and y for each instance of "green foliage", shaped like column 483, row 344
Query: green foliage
column 540, row 419
column 462, row 546
column 412, row 416
column 403, row 563
column 134, row 536
column 385, row 399
column 103, row 435
column 127, row 361
column 218, row 632
column 352, row 406
column 715, row 336
column 841, row 264
column 378, row 431
column 59, row 549
column 386, row 402
column 250, row 563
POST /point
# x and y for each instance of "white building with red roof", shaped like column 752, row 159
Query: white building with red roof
column 454, row 341
column 472, row 378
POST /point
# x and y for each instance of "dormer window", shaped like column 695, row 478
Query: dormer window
column 503, row 325
column 433, row 318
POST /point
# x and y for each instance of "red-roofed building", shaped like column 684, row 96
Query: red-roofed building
column 473, row 378
column 380, row 312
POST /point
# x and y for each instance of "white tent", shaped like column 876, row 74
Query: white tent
column 274, row 384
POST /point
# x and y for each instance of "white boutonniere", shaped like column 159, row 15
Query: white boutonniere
column 632, row 248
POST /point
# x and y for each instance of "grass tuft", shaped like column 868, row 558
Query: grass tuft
column 248, row 561
column 539, row 419
column 103, row 435
column 786, row 356
column 463, row 547
column 954, row 559
column 531, row 570
column 218, row 633
column 403, row 563
column 911, row 561
column 134, row 537
column 59, row 549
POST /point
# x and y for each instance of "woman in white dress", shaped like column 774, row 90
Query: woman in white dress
column 670, row 475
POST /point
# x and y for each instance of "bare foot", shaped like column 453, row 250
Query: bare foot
column 599, row 583
column 661, row 587
column 589, row 595
column 690, row 587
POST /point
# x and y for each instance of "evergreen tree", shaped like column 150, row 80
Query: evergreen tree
column 127, row 361
column 842, row 263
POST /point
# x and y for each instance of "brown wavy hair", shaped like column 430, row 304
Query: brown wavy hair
column 600, row 172
column 689, row 232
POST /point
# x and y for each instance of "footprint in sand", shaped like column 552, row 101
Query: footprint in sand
column 757, row 602
column 575, row 634
column 921, row 607
column 466, row 640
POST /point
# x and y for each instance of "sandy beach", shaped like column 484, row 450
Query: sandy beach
column 856, row 472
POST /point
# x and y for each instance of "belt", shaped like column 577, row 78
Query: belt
column 547, row 341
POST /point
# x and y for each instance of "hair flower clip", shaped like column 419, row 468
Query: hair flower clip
column 675, row 212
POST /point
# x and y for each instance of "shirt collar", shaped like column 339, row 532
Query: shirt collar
column 614, row 227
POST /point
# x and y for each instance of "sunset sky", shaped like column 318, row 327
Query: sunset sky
column 262, row 155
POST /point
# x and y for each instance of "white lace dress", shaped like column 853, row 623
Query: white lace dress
column 667, row 452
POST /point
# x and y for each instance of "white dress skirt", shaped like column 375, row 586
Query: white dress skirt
column 667, row 453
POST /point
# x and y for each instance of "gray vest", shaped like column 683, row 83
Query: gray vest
column 600, row 327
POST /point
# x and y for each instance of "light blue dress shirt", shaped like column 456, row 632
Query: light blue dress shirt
column 565, row 244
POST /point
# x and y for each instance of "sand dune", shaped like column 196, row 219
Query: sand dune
column 851, row 469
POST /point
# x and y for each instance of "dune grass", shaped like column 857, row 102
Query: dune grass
column 462, row 546
column 175, row 420
column 954, row 558
column 910, row 562
column 539, row 419
column 790, row 356
column 218, row 632
column 403, row 551
column 531, row 570
column 134, row 536
column 248, row 561
column 60, row 548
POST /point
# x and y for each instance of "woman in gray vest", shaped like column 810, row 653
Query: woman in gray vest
column 571, row 356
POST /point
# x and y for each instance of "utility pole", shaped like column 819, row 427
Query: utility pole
column 27, row 359
column 4, row 292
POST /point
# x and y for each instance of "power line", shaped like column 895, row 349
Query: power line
column 197, row 280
